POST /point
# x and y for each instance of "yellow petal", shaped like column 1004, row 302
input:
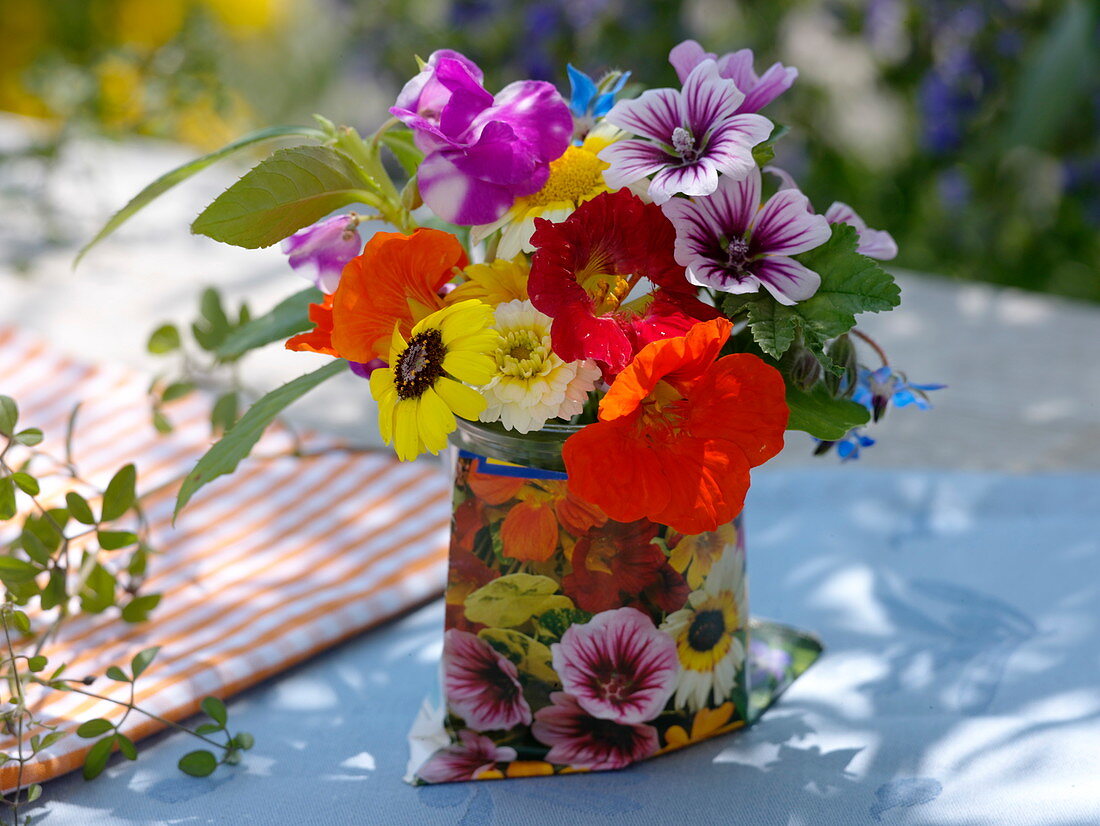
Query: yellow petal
column 473, row 368
column 434, row 420
column 464, row 401
column 406, row 439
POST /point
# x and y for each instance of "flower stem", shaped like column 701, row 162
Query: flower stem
column 874, row 346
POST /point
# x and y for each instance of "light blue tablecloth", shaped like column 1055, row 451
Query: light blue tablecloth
column 960, row 685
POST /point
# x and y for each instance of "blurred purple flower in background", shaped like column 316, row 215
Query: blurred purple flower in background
column 759, row 90
column 874, row 243
column 481, row 151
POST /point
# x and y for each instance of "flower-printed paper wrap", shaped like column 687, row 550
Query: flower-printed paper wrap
column 577, row 643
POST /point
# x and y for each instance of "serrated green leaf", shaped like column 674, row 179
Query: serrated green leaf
column 9, row 415
column 235, row 445
column 79, row 508
column 215, row 710
column 164, row 339
column 400, row 143
column 29, row 437
column 94, row 728
column 138, row 609
column 121, row 493
column 113, row 540
column 182, row 173
column 287, row 318
column 291, row 189
column 821, row 415
column 144, row 658
column 7, row 498
column 26, row 483
column 14, row 571
column 95, row 761
column 773, row 325
column 198, row 763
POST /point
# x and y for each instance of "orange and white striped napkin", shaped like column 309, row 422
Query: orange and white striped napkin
column 266, row 567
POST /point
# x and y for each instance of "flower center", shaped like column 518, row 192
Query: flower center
column 419, row 366
column 684, row 143
column 662, row 412
column 574, row 177
column 615, row 686
column 707, row 629
column 737, row 252
column 521, row 354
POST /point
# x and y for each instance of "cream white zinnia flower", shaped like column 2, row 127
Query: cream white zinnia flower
column 531, row 384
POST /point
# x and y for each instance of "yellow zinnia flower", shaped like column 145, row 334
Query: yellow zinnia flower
column 422, row 390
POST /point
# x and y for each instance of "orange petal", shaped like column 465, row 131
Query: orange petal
column 492, row 489
column 529, row 532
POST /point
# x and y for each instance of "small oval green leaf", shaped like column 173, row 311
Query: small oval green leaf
column 198, row 763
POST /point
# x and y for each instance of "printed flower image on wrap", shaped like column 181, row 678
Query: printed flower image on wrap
column 578, row 643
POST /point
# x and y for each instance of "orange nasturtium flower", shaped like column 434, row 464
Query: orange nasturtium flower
column 395, row 280
column 678, row 432
column 530, row 530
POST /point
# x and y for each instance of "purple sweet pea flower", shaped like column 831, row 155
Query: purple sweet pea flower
column 727, row 243
column 686, row 137
column 874, row 243
column 759, row 90
column 481, row 152
column 323, row 249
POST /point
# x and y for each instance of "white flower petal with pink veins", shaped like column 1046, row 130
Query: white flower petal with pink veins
column 700, row 178
column 788, row 281
column 874, row 243
column 731, row 143
column 632, row 160
column 655, row 114
column 708, row 99
column 786, row 225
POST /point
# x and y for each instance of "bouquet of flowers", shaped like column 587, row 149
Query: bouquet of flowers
column 617, row 308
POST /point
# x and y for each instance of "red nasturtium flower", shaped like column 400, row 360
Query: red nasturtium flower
column 585, row 268
column 679, row 430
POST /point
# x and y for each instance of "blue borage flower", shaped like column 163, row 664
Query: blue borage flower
column 880, row 388
column 588, row 99
column 847, row 448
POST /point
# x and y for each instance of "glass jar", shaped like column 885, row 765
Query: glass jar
column 574, row 642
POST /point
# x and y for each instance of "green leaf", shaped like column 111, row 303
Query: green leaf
column 121, row 493
column 209, row 728
column 289, row 317
column 228, row 452
column 182, row 173
column 29, row 437
column 34, row 548
column 36, row 664
column 822, row 416
column 244, row 740
column 138, row 609
column 176, row 390
column 79, row 508
column 51, row 738
column 9, row 415
column 70, row 432
column 127, row 747
column 13, row 571
column 95, row 761
column 400, row 143
column 217, row 326
column 198, row 763
column 164, row 339
column 118, row 675
column 139, row 561
column 143, row 659
column 289, row 190
column 113, row 540
column 21, row 621
column 161, row 423
column 34, row 791
column 224, row 413
column 1055, row 78
column 850, row 284
column 99, row 591
column 215, row 710
column 54, row 593
column 27, row 483
column 94, row 728
column 7, row 498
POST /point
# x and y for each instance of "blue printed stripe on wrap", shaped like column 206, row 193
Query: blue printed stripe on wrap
column 495, row 467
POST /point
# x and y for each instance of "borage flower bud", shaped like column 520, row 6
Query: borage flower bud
column 805, row 369
column 842, row 352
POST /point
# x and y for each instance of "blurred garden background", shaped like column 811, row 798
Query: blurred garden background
column 967, row 128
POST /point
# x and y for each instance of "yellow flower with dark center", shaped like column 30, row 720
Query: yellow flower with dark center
column 705, row 630
column 575, row 177
column 425, row 386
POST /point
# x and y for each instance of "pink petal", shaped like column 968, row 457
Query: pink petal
column 774, row 82
column 632, row 160
column 708, row 99
column 655, row 114
column 458, row 198
column 787, row 280
column 840, row 213
column 537, row 114
column 699, row 178
column 787, row 226
column 730, row 146
column 877, row 243
column 786, row 180
column 686, row 56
